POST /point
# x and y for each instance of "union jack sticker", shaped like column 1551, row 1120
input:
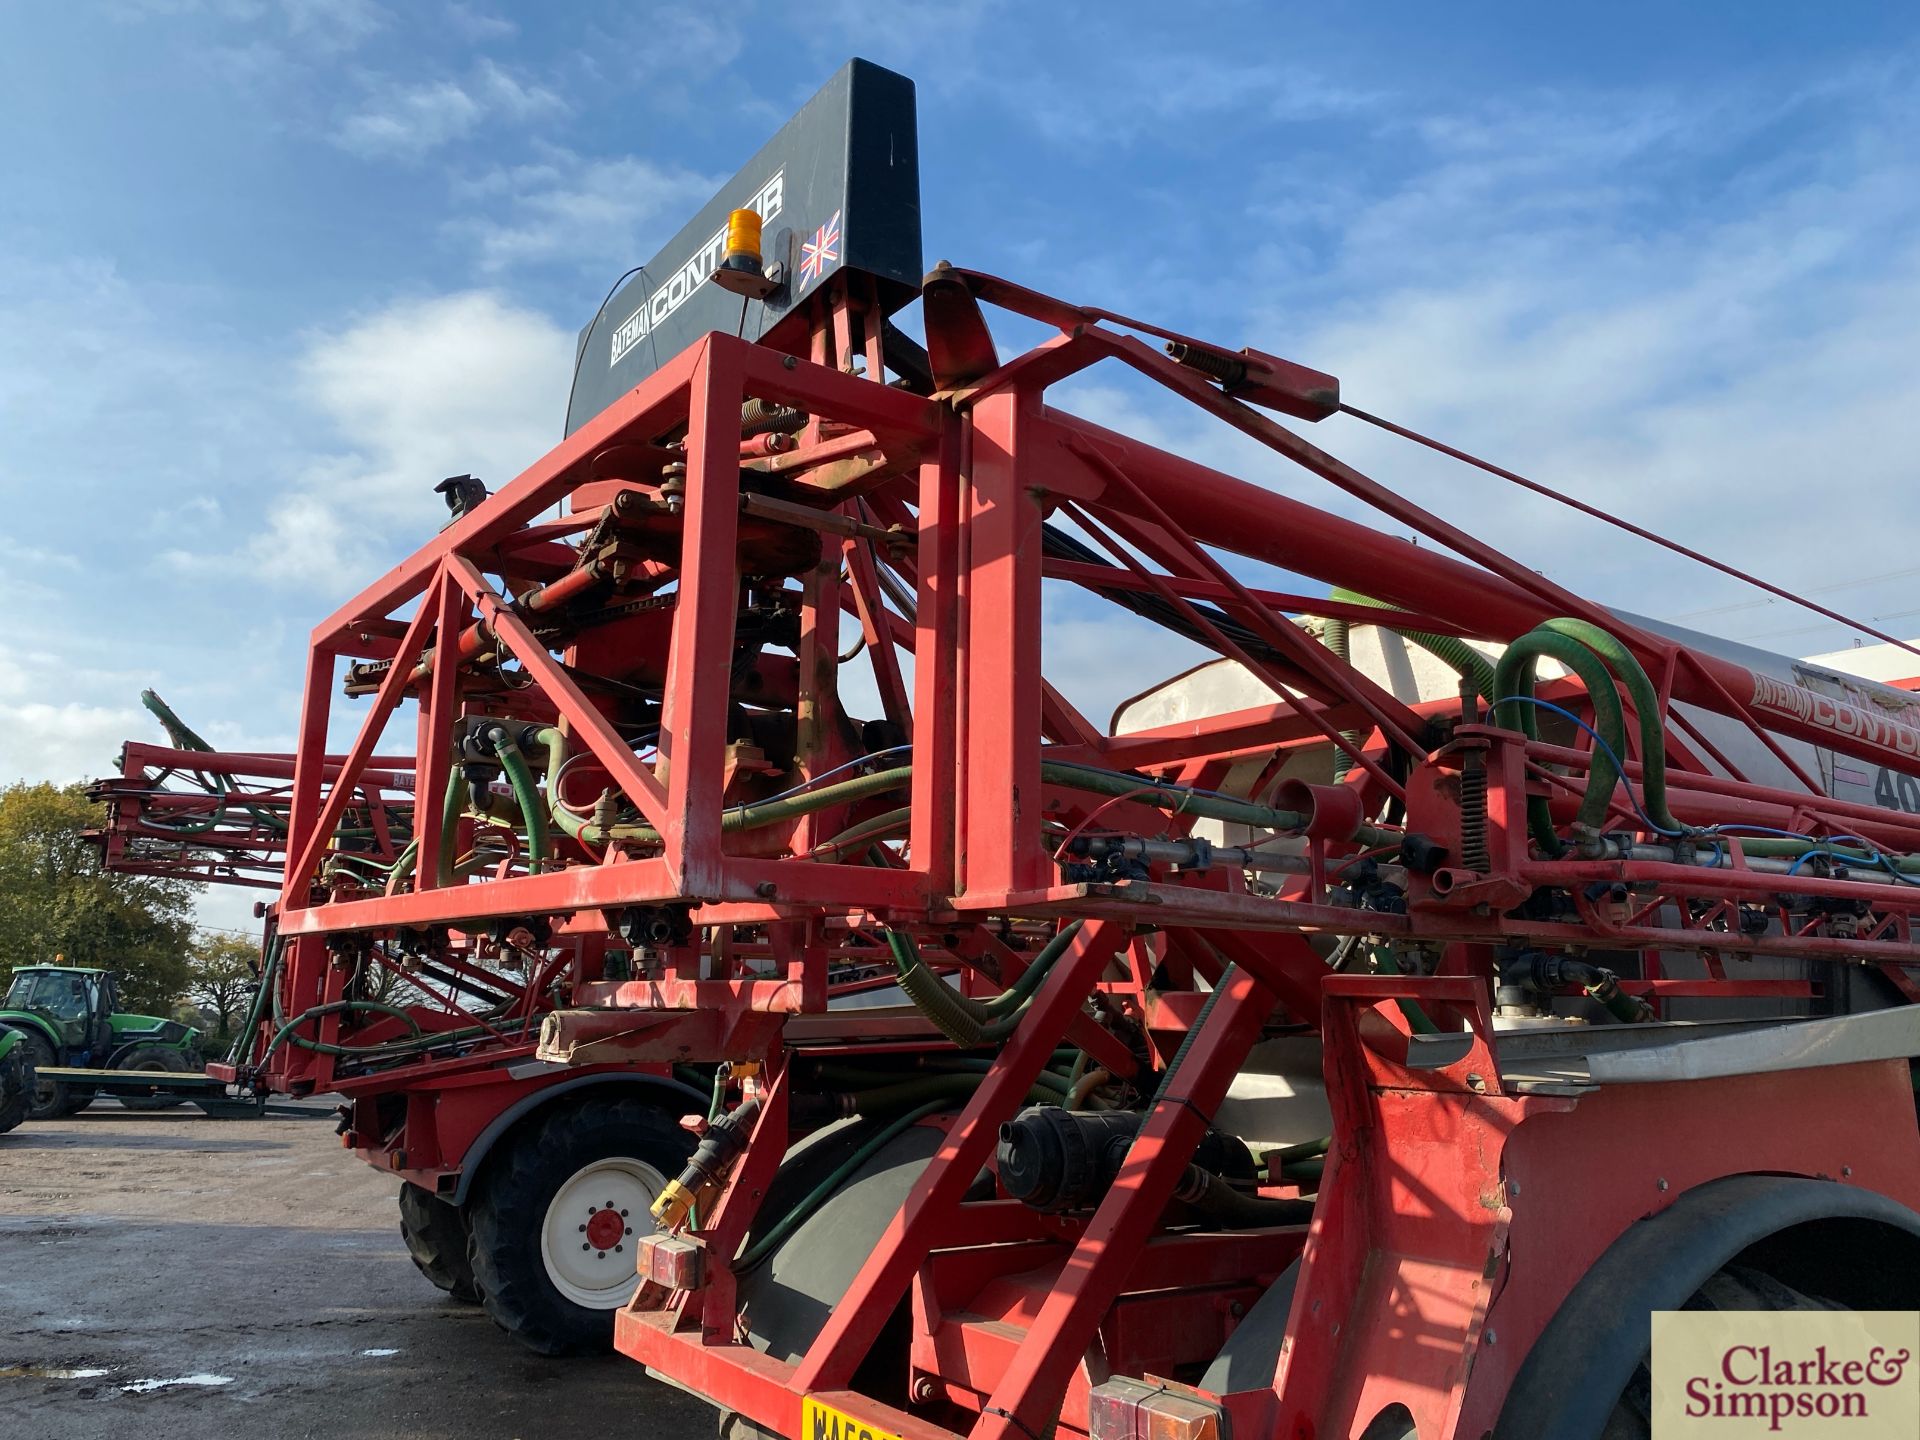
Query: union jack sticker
column 822, row 252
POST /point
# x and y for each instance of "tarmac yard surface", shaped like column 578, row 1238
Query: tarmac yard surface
column 167, row 1274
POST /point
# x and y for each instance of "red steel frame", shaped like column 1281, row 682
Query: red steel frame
column 929, row 513
column 221, row 817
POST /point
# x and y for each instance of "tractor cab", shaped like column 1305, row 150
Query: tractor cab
column 76, row 1005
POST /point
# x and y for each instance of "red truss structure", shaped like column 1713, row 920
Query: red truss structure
column 626, row 677
column 220, row 817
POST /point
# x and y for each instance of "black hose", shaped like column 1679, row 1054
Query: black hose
column 1232, row 1210
column 1062, row 546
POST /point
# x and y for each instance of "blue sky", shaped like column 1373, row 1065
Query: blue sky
column 270, row 270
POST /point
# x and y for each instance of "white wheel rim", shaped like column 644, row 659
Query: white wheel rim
column 589, row 1258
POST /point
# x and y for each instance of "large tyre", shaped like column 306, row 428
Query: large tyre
column 16, row 1089
column 558, row 1214
column 152, row 1057
column 438, row 1237
column 51, row 1098
column 1734, row 1288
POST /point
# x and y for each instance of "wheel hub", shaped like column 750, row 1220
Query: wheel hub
column 592, row 1226
column 606, row 1227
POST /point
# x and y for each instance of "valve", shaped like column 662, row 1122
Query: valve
column 696, row 1185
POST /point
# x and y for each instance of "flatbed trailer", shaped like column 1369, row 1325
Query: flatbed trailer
column 211, row 1095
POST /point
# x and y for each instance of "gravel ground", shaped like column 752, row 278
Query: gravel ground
column 168, row 1274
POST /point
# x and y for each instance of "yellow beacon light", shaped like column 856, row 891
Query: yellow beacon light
column 740, row 269
column 743, row 241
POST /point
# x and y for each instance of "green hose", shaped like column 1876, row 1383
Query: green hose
column 1337, row 636
column 1304, row 1173
column 933, row 997
column 403, row 864
column 1148, row 791
column 820, row 1193
column 756, row 814
column 338, row 1007
column 1028, row 981
column 1646, row 702
column 554, row 742
column 1186, row 1040
column 527, row 795
column 184, row 737
column 866, row 830
column 178, row 731
column 1074, row 1076
column 450, row 811
column 1292, row 1154
column 1514, row 680
column 1385, row 963
column 968, row 1022
column 269, row 973
column 1450, row 650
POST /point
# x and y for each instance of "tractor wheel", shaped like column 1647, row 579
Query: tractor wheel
column 558, row 1216
column 16, row 1095
column 1734, row 1288
column 50, row 1097
column 153, row 1057
column 438, row 1237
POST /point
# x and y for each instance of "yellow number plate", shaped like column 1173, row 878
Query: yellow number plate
column 823, row 1422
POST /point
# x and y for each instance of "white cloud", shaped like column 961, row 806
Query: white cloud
column 908, row 33
column 430, row 387
column 61, row 720
column 595, row 213
column 21, row 556
column 334, row 25
column 408, row 121
column 457, row 384
column 326, row 27
column 504, row 93
column 1693, row 310
column 136, row 10
column 473, row 23
column 1160, row 95
column 1737, row 374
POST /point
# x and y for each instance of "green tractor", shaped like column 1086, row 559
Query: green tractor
column 16, row 1078
column 69, row 1016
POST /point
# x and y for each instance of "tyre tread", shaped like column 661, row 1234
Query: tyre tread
column 512, row 1207
column 438, row 1242
column 1736, row 1287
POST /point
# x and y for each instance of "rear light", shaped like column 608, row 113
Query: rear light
column 1139, row 1410
column 669, row 1260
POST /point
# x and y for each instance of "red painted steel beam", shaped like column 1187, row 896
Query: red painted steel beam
column 855, row 1322
column 1027, row 1394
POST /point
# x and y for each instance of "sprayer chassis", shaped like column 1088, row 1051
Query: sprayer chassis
column 1422, row 1250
